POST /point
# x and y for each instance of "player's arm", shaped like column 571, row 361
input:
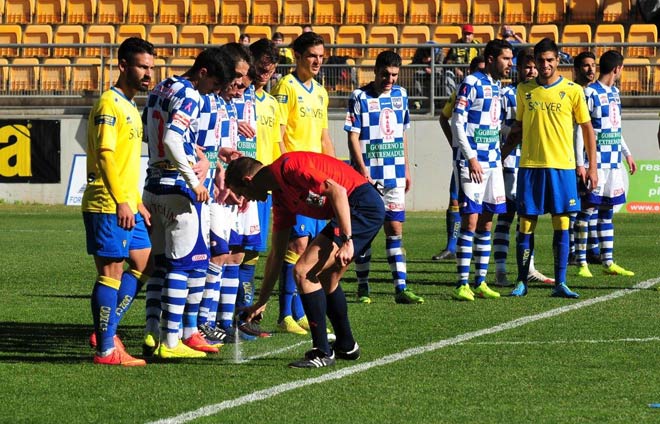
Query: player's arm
column 512, row 140
column 632, row 166
column 405, row 155
column 111, row 180
column 458, row 122
column 591, row 178
column 355, row 150
column 338, row 198
column 446, row 127
column 173, row 142
column 326, row 143
column 579, row 155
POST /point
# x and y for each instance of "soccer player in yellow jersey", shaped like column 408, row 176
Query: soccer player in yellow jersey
column 115, row 219
column 304, row 123
column 547, row 108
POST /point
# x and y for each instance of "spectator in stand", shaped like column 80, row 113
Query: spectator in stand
column 307, row 28
column 422, row 79
column 286, row 59
column 463, row 55
column 244, row 39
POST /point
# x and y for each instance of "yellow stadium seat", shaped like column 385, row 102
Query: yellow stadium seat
column 642, row 33
column 329, row 12
column 99, row 34
column 258, row 31
column 4, row 74
column 413, row 34
column 111, row 11
column 328, row 34
column 381, row 34
column 179, row 65
column 49, row 11
column 141, row 11
column 24, row 75
column 206, row 11
column 10, row 34
column 223, row 34
column 290, row 32
column 635, row 76
column 19, row 11
column 360, row 11
column 483, row 33
column 80, row 11
column 173, row 11
column 56, row 74
column 519, row 11
column 192, row 34
column 85, row 74
column 455, row 11
column 550, row 11
column 163, row 34
column 423, row 11
column 446, row 34
column 615, row 10
column 566, row 71
column 575, row 33
column 366, row 71
column 351, row 34
column 130, row 30
column 266, row 12
column 67, row 34
column 656, row 75
column 582, row 11
column 487, row 11
column 608, row 33
column 297, row 12
column 235, row 11
column 391, row 11
column 37, row 34
column 539, row 32
column 160, row 70
column 2, row 13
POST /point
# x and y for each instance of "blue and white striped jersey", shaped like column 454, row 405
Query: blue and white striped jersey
column 228, row 124
column 476, row 120
column 512, row 162
column 604, row 106
column 246, row 112
column 381, row 122
column 209, row 134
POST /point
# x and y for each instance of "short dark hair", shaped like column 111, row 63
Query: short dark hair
column 239, row 168
column 386, row 59
column 524, row 56
column 217, row 64
column 278, row 36
column 577, row 62
column 237, row 52
column 475, row 62
column 494, row 48
column 609, row 61
column 264, row 48
column 545, row 45
column 132, row 46
column 305, row 41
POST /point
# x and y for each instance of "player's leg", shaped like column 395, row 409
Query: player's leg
column 453, row 222
column 501, row 244
column 581, row 234
column 470, row 199
column 362, row 266
column 530, row 203
column 593, row 250
column 613, row 193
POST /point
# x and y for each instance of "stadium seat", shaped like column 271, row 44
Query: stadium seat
column 330, row 12
column 615, row 10
column 539, row 32
column 519, row 11
column 160, row 70
column 235, row 11
column 446, row 34
column 266, row 12
column 391, row 11
column 19, row 11
column 192, row 34
column 290, row 32
column 56, row 74
column 575, row 33
column 413, row 34
column 487, row 11
column 483, row 33
column 328, row 34
column 4, row 74
column 130, row 30
column 258, row 31
column 10, row 34
column 80, row 11
column 99, row 34
column 67, row 34
column 85, row 74
column 566, row 71
column 642, row 33
column 173, row 11
column 423, row 11
column 163, row 34
column 351, row 34
column 141, row 11
column 111, row 11
column 297, row 12
column 656, row 75
column 455, row 11
column 205, row 11
column 550, row 11
column 365, row 73
column 381, row 34
column 223, row 34
column 582, row 11
column 635, row 76
column 359, row 12
column 608, row 33
column 179, row 65
column 37, row 34
column 49, row 11
column 24, row 75
column 2, row 13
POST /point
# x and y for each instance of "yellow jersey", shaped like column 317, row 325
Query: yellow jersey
column 448, row 108
column 548, row 114
column 268, row 128
column 114, row 125
column 304, row 111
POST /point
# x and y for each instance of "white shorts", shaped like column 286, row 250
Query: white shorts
column 222, row 219
column 611, row 189
column 488, row 195
column 247, row 230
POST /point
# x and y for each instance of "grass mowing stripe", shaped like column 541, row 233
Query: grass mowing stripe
column 273, row 352
column 385, row 360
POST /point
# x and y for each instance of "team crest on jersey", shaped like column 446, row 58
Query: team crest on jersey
column 602, row 98
column 562, row 94
column 373, row 105
column 320, row 99
column 222, row 113
column 387, row 124
column 314, row 199
column 528, row 96
column 397, row 102
column 488, row 92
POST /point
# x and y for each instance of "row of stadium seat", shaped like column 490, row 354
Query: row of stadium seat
column 94, row 34
column 321, row 12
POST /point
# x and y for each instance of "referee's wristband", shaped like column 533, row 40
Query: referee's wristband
column 345, row 238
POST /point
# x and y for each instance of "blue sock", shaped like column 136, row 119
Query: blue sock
column 228, row 292
column 501, row 241
column 606, row 235
column 316, row 306
column 196, row 283
column 104, row 303
column 453, row 228
column 297, row 309
column 338, row 314
column 129, row 288
column 560, row 247
column 208, row 307
column 524, row 249
column 287, row 290
column 481, row 256
column 397, row 261
column 593, row 247
column 464, row 256
column 175, row 292
column 245, row 285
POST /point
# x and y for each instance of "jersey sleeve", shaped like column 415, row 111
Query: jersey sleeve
column 106, row 125
column 354, row 114
column 283, row 94
column 580, row 109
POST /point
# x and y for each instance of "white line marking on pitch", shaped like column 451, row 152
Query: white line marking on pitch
column 273, row 352
column 553, row 342
column 395, row 357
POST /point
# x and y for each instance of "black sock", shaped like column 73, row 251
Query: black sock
column 315, row 308
column 338, row 314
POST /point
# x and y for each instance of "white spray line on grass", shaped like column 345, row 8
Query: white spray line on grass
column 273, row 352
column 553, row 342
column 395, row 357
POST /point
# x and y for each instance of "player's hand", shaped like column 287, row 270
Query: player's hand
column 125, row 216
column 632, row 166
column 246, row 130
column 243, row 204
column 476, row 173
column 201, row 168
column 201, row 193
column 227, row 154
column 581, row 174
column 146, row 215
column 255, row 311
column 344, row 255
column 592, row 178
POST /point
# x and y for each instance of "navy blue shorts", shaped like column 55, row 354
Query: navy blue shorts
column 547, row 190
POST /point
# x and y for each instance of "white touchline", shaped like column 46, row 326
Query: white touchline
column 552, row 342
column 395, row 357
